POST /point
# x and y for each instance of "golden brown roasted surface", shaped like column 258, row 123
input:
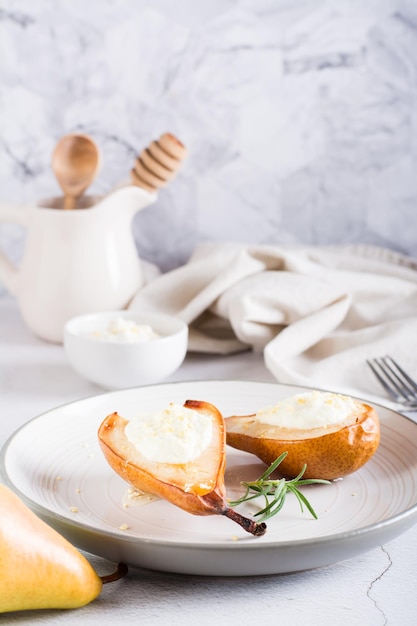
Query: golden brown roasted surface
column 327, row 454
column 184, row 484
column 197, row 486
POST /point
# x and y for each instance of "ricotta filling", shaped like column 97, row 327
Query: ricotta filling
column 175, row 435
column 305, row 411
column 126, row 331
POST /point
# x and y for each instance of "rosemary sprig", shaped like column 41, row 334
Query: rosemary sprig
column 274, row 491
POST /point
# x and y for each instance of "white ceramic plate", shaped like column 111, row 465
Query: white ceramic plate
column 54, row 464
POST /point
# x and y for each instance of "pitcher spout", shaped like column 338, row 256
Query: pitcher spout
column 127, row 200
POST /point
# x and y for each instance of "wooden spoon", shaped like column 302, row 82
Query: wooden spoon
column 75, row 161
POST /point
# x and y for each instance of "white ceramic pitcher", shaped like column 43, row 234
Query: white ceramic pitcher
column 74, row 262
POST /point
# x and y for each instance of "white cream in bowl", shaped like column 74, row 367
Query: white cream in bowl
column 122, row 349
column 125, row 330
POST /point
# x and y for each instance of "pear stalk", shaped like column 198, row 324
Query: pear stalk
column 254, row 528
column 119, row 573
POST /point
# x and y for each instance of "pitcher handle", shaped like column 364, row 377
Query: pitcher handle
column 8, row 271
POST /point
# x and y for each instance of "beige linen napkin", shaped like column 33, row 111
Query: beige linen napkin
column 316, row 312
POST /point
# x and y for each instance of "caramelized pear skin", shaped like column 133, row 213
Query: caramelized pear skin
column 327, row 455
column 196, row 486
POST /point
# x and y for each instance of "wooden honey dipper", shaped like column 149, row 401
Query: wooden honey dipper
column 158, row 164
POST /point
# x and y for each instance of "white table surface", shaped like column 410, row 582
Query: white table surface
column 379, row 587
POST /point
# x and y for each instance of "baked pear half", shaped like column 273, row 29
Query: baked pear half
column 331, row 434
column 177, row 454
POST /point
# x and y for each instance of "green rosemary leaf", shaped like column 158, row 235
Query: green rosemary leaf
column 272, row 467
column 313, row 481
column 297, row 478
column 303, row 500
column 272, row 509
column 274, row 491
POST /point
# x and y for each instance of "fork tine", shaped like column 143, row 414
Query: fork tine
column 410, row 381
column 387, row 388
column 399, row 385
column 392, row 377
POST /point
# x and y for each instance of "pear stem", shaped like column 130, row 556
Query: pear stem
column 249, row 525
column 119, row 573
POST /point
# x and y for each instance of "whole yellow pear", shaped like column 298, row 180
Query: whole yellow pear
column 39, row 569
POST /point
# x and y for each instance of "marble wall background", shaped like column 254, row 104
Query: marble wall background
column 300, row 115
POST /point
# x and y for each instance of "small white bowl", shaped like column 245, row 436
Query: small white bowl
column 118, row 364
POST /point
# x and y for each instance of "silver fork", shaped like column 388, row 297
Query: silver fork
column 400, row 386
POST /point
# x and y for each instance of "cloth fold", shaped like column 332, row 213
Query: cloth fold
column 317, row 313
